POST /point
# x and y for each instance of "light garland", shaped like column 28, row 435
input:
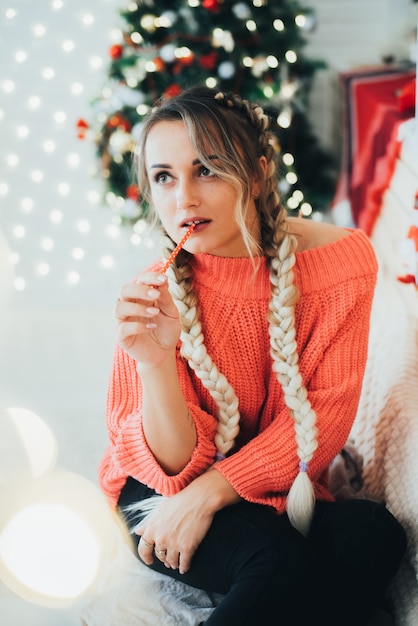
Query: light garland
column 47, row 191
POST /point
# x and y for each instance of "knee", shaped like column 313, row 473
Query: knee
column 286, row 563
column 388, row 536
column 377, row 540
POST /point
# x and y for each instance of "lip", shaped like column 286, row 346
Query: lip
column 196, row 219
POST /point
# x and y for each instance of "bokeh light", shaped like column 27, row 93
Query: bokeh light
column 57, row 534
column 27, row 445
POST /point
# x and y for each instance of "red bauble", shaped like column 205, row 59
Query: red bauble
column 211, row 5
column 159, row 64
column 132, row 192
column 115, row 52
column 82, row 128
column 208, row 61
column 172, row 90
column 118, row 121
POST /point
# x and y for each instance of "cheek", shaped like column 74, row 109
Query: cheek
column 162, row 200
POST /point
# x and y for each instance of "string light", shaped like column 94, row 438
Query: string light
column 291, row 178
column 37, row 176
column 284, row 119
column 60, row 117
column 47, row 243
column 49, row 146
column 251, row 25
column 48, row 73
column 21, row 56
column 12, row 160
column 34, row 102
column 288, row 159
column 278, row 25
column 68, row 45
column 39, row 30
column 22, row 131
column 8, row 86
column 27, row 205
column 291, row 56
column 88, row 19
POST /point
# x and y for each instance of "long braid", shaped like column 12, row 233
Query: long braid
column 279, row 247
column 194, row 350
column 283, row 349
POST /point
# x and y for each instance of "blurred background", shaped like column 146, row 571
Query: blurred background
column 66, row 245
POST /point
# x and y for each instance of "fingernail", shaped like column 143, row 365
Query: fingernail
column 153, row 293
column 152, row 310
column 161, row 278
column 150, row 325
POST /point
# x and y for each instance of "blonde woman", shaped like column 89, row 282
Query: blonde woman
column 236, row 381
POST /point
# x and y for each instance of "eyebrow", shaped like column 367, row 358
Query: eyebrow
column 167, row 166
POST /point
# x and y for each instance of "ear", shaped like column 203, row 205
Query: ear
column 257, row 184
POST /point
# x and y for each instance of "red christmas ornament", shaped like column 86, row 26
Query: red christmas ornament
column 132, row 192
column 82, row 128
column 187, row 60
column 159, row 64
column 118, row 121
column 208, row 61
column 211, row 5
column 115, row 52
column 172, row 90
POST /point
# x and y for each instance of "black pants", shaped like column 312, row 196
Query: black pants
column 270, row 574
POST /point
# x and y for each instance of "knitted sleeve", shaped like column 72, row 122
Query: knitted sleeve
column 332, row 361
column 128, row 453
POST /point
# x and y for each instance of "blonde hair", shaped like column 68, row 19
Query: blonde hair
column 239, row 135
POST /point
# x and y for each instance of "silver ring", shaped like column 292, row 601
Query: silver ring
column 146, row 544
column 160, row 553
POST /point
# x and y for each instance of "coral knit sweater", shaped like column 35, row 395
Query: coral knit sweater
column 336, row 284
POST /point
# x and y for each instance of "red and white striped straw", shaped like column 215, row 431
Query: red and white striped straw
column 177, row 249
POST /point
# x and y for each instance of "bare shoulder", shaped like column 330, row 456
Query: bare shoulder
column 312, row 234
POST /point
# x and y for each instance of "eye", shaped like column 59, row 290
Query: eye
column 205, row 171
column 162, row 178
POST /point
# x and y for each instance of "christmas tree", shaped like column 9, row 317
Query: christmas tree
column 250, row 47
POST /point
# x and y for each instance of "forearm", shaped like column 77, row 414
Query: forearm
column 213, row 490
column 168, row 426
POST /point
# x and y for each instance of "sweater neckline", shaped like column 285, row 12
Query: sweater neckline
column 315, row 268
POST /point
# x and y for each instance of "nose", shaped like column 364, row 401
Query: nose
column 186, row 194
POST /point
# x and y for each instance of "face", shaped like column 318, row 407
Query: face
column 183, row 191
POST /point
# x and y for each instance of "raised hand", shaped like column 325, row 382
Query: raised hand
column 148, row 320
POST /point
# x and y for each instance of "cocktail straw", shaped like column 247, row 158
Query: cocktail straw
column 177, row 249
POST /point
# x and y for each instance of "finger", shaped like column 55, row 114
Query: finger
column 125, row 309
column 145, row 551
column 143, row 284
column 151, row 278
column 136, row 292
column 128, row 329
column 184, row 562
column 171, row 559
column 160, row 553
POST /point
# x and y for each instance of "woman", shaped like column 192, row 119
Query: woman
column 236, row 382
